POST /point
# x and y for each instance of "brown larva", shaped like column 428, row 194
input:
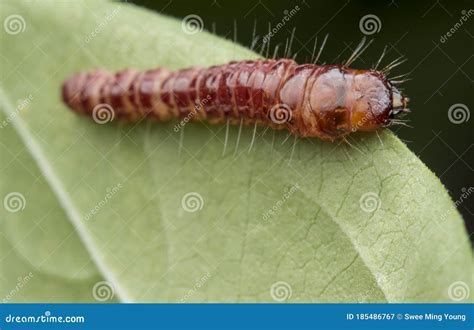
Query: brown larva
column 309, row 100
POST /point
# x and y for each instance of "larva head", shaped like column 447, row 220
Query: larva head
column 345, row 100
column 375, row 101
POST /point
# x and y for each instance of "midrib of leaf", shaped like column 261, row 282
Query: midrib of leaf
column 61, row 194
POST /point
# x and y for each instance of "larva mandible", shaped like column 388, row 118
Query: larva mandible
column 309, row 100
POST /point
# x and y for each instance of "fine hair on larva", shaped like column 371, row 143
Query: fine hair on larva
column 309, row 100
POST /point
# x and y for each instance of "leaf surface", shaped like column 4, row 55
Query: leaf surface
column 305, row 221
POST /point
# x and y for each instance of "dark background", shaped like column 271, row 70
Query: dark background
column 441, row 73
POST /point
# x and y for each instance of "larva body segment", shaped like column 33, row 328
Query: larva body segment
column 309, row 100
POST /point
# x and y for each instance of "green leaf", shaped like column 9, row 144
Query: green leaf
column 42, row 258
column 281, row 222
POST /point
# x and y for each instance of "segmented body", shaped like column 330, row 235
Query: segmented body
column 328, row 101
